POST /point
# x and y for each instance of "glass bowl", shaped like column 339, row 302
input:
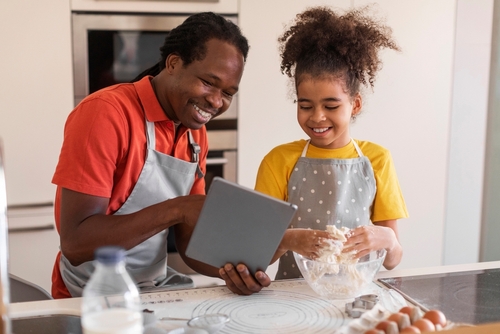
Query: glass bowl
column 340, row 281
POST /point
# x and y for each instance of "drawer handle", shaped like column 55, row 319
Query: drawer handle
column 216, row 161
column 31, row 228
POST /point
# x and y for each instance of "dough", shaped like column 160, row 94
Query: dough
column 346, row 279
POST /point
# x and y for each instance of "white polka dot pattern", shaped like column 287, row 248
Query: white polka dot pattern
column 329, row 192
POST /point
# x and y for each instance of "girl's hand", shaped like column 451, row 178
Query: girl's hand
column 365, row 239
column 306, row 242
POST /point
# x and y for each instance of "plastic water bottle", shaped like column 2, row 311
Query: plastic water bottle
column 111, row 303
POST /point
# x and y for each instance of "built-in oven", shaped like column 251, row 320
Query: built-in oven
column 110, row 48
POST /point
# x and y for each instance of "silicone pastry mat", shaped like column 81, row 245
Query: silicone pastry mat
column 285, row 307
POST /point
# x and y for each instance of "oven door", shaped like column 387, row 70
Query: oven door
column 222, row 156
column 222, row 164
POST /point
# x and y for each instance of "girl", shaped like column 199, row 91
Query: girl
column 332, row 178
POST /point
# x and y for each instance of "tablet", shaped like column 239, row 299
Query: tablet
column 239, row 225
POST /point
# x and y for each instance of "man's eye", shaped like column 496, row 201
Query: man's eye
column 206, row 83
column 228, row 95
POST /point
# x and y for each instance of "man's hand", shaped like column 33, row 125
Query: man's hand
column 239, row 280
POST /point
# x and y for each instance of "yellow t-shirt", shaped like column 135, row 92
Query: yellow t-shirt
column 277, row 166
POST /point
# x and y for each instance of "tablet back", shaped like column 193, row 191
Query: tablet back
column 239, row 225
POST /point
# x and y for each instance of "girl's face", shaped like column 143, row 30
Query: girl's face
column 324, row 111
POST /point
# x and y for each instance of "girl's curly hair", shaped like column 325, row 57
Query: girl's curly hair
column 321, row 42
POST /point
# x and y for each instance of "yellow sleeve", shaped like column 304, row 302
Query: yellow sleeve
column 267, row 181
column 389, row 202
column 276, row 168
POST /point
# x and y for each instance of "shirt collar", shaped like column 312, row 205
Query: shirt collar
column 152, row 108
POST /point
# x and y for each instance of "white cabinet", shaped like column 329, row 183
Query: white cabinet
column 33, row 244
column 164, row 6
column 36, row 93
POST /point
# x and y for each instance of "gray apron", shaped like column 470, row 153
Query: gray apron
column 336, row 192
column 162, row 177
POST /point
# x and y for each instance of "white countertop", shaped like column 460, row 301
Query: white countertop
column 71, row 306
column 438, row 270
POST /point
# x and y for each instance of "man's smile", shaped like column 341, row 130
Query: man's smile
column 204, row 114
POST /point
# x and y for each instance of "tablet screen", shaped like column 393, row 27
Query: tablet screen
column 239, row 225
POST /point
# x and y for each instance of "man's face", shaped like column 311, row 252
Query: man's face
column 202, row 90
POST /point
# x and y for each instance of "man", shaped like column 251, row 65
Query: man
column 133, row 159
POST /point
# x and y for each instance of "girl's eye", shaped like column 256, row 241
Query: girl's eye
column 305, row 107
column 331, row 107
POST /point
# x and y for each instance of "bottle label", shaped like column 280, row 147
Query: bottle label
column 112, row 321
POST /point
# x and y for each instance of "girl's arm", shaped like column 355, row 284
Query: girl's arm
column 394, row 248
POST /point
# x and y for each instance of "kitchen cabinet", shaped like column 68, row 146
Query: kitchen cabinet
column 35, row 94
column 33, row 243
column 165, row 6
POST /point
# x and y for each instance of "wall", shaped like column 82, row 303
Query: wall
column 408, row 112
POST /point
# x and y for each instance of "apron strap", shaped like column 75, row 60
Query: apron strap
column 195, row 148
column 360, row 153
column 150, row 134
column 304, row 151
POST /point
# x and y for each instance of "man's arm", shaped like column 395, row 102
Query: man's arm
column 85, row 225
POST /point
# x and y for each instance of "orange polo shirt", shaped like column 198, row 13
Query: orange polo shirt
column 104, row 148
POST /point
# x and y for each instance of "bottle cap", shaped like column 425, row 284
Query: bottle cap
column 110, row 254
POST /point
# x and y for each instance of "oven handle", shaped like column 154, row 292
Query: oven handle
column 216, row 161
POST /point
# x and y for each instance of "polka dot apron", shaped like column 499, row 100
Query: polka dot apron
column 336, row 192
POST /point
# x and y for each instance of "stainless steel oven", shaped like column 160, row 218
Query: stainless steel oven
column 110, row 48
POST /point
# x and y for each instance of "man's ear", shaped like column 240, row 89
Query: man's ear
column 172, row 62
column 357, row 105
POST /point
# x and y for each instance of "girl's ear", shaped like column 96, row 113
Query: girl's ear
column 357, row 105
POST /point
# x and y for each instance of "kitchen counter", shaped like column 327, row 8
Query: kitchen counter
column 468, row 294
column 72, row 306
column 438, row 269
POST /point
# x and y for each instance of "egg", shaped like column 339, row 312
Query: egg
column 425, row 325
column 413, row 312
column 389, row 327
column 374, row 331
column 436, row 317
column 410, row 330
column 402, row 319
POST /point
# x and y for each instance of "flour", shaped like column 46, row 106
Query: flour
column 337, row 275
column 343, row 275
column 332, row 252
